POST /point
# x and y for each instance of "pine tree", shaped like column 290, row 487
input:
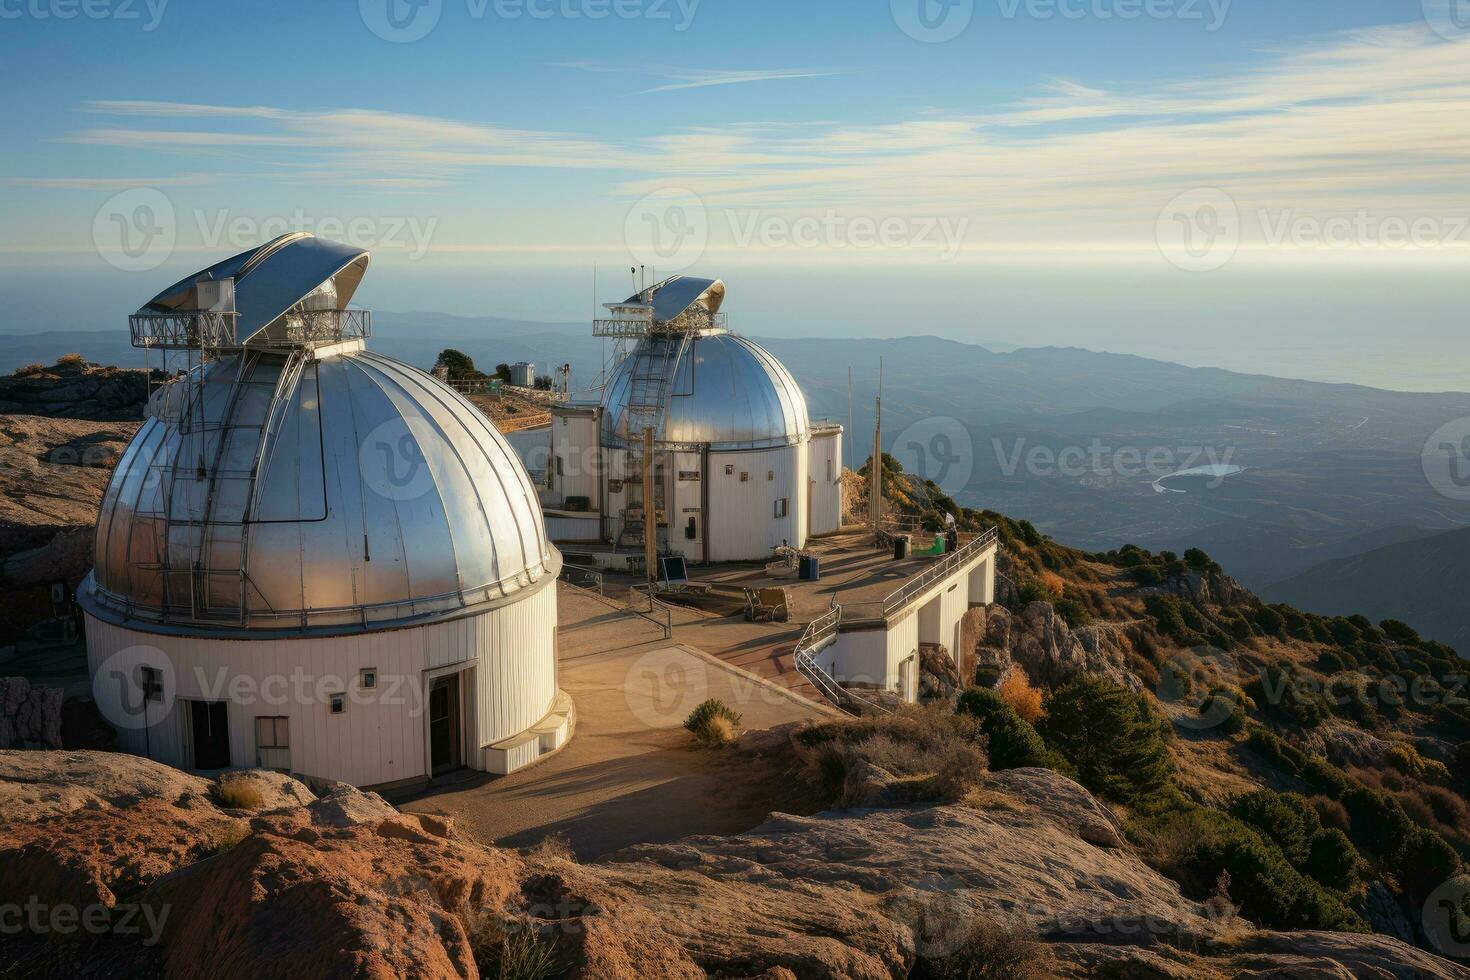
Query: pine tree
column 1113, row 737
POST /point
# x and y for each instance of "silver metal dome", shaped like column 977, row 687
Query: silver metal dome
column 333, row 495
column 727, row 392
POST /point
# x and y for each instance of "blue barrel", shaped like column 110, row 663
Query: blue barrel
column 805, row 569
column 816, row 568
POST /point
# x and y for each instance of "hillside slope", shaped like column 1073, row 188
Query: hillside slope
column 1421, row 582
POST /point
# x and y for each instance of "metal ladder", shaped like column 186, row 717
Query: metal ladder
column 650, row 380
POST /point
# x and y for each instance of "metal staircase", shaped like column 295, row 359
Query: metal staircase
column 650, row 384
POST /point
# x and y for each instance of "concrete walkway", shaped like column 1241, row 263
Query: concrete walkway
column 631, row 773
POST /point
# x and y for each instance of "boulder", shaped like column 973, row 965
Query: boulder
column 1049, row 650
column 30, row 717
column 36, row 786
column 347, row 806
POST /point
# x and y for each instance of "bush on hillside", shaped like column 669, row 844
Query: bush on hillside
column 1333, row 860
column 990, row 951
column 1113, row 737
column 1015, row 690
column 1286, row 819
column 1400, row 632
column 938, row 756
column 714, row 723
column 1011, row 741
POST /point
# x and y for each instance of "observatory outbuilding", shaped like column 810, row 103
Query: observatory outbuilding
column 738, row 468
column 314, row 558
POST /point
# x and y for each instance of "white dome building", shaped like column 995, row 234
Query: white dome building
column 739, row 468
column 314, row 558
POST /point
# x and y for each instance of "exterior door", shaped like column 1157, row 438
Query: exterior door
column 211, row 730
column 444, row 739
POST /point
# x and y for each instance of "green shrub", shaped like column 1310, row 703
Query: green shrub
column 1196, row 844
column 1226, row 703
column 1114, row 738
column 1270, row 622
column 1010, row 740
column 1400, row 632
column 1332, row 860
column 1286, row 819
column 1034, row 591
column 1072, row 612
column 1146, row 575
column 714, row 723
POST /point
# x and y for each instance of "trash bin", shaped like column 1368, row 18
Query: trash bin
column 900, row 547
column 811, row 568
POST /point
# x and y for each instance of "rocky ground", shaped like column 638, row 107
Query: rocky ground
column 260, row 876
column 75, row 389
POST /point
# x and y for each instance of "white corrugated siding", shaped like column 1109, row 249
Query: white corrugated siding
column 379, row 738
column 742, row 521
column 824, row 466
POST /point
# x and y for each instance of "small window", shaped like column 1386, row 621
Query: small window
column 273, row 743
column 151, row 680
column 273, row 733
column 558, row 466
column 729, row 469
column 369, row 677
column 781, row 507
column 770, row 475
column 338, row 703
column 744, row 476
column 831, row 466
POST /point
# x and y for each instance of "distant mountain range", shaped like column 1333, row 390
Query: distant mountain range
column 1061, row 436
column 1422, row 582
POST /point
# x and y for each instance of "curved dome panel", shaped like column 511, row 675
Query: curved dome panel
column 382, row 498
column 273, row 279
column 727, row 391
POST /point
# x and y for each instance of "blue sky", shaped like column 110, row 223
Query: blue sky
column 1171, row 155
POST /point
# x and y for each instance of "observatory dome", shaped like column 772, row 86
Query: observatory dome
column 383, row 498
column 727, row 392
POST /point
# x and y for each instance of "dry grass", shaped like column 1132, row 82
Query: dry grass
column 995, row 951
column 1054, row 583
column 934, row 757
column 228, row 838
column 239, row 794
column 1015, row 690
column 72, row 358
column 714, row 723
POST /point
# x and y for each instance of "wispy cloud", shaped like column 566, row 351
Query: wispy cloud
column 677, row 79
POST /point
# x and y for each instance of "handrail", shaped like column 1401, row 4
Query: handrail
column 905, row 593
column 813, row 638
column 654, row 605
column 587, row 573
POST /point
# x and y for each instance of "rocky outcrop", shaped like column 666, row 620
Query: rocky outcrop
column 1210, row 587
column 75, row 389
column 30, row 717
column 855, row 893
column 1050, row 651
column 52, row 476
column 939, row 676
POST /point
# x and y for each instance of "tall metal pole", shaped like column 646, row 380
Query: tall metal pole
column 851, row 434
column 650, row 510
column 875, row 475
